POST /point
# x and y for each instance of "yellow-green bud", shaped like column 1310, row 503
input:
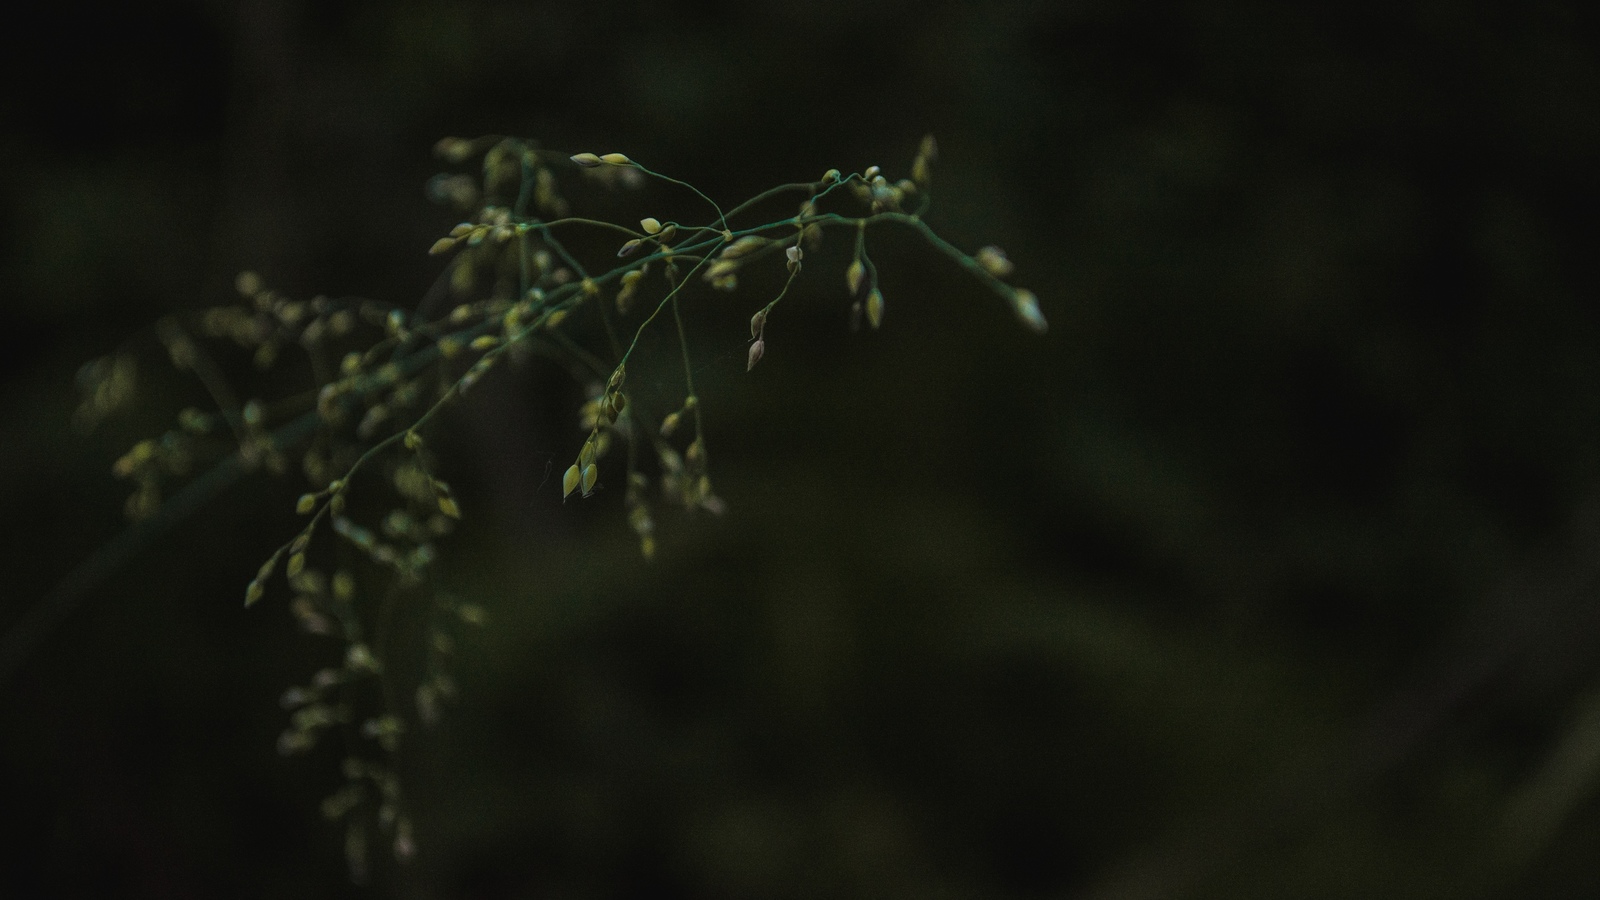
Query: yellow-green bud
column 855, row 275
column 1026, row 306
column 744, row 245
column 994, row 261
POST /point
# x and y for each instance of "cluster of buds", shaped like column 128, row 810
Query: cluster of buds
column 654, row 231
column 598, row 415
column 861, row 273
column 684, row 477
column 994, row 262
column 881, row 195
column 722, row 274
column 145, row 464
column 613, row 169
column 493, row 224
column 758, row 337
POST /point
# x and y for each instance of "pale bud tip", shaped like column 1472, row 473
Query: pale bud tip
column 1027, row 308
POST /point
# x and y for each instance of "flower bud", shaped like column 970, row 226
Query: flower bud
column 855, row 275
column 994, row 261
column 1026, row 306
column 875, row 308
column 742, row 246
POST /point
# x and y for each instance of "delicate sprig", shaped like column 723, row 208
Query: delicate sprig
column 520, row 269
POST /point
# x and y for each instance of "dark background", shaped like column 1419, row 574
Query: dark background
column 1271, row 571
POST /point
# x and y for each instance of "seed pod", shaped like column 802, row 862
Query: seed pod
column 855, row 275
column 757, row 350
column 453, row 149
column 587, row 160
column 629, row 247
column 758, row 324
column 248, row 284
column 670, row 423
column 447, row 505
column 994, row 261
column 569, row 481
column 651, row 225
column 616, row 159
column 875, row 308
column 743, row 246
column 441, row 245
column 306, row 504
column 590, row 474
column 1026, row 306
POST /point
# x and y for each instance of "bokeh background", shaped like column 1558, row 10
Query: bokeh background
column 1273, row 570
